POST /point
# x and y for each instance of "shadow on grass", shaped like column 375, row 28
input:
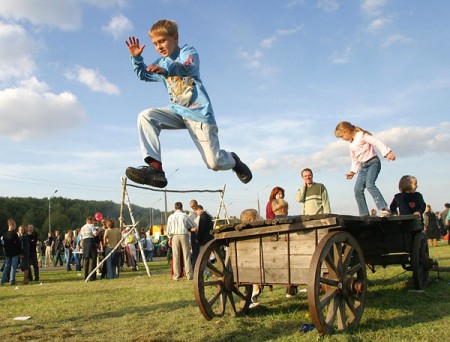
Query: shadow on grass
column 411, row 307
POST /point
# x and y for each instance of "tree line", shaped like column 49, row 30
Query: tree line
column 68, row 214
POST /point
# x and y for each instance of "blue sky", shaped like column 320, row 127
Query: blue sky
column 280, row 74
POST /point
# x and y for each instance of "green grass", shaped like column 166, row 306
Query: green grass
column 136, row 307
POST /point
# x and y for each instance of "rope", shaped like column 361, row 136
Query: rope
column 386, row 280
column 175, row 191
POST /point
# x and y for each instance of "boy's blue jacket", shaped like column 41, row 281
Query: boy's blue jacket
column 187, row 94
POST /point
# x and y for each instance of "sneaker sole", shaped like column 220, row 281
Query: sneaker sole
column 152, row 180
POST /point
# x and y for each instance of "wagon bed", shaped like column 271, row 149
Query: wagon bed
column 327, row 252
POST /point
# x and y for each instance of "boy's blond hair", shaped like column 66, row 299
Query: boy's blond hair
column 164, row 27
column 280, row 206
column 250, row 215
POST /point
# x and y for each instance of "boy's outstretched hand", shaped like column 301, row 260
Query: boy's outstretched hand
column 133, row 46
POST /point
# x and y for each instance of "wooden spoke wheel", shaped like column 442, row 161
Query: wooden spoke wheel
column 214, row 284
column 420, row 261
column 337, row 283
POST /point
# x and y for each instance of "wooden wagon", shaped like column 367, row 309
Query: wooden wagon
column 328, row 253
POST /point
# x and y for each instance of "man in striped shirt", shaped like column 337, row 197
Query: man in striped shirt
column 178, row 226
column 313, row 196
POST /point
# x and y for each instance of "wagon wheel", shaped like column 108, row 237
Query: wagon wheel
column 420, row 261
column 337, row 283
column 214, row 284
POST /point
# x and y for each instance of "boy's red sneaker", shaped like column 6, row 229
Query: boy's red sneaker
column 147, row 175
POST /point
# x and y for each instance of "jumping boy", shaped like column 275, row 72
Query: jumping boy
column 190, row 108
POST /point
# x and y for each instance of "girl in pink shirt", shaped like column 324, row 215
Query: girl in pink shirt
column 365, row 163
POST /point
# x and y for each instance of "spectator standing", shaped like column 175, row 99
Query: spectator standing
column 204, row 227
column 431, row 226
column 33, row 261
column 313, row 196
column 13, row 249
column 24, row 261
column 59, row 248
column 88, row 234
column 111, row 238
column 276, row 191
column 130, row 249
column 178, row 226
column 68, row 249
column 49, row 244
column 144, row 243
column 195, row 247
column 151, row 246
column 446, row 218
column 39, row 252
column 78, row 251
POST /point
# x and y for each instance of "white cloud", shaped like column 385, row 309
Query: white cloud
column 16, row 52
column 268, row 42
column 65, row 15
column 286, row 32
column 373, row 7
column 254, row 58
column 254, row 63
column 93, row 80
column 377, row 24
column 118, row 26
column 341, row 57
column 396, row 38
column 30, row 111
column 107, row 3
column 294, row 3
column 328, row 5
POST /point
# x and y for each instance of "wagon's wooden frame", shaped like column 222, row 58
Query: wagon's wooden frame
column 328, row 253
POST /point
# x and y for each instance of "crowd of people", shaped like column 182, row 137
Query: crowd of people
column 81, row 248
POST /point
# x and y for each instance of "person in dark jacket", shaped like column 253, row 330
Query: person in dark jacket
column 205, row 225
column 59, row 249
column 33, row 260
column 430, row 224
column 13, row 250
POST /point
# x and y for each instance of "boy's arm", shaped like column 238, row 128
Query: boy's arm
column 187, row 65
column 143, row 73
column 141, row 70
column 133, row 46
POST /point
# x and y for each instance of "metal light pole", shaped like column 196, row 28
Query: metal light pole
column 151, row 211
column 165, row 197
column 257, row 197
column 50, row 211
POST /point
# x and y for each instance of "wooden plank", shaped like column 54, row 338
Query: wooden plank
column 312, row 224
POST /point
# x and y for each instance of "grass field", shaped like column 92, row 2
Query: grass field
column 136, row 307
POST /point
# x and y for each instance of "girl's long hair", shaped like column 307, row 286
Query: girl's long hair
column 274, row 192
column 345, row 126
